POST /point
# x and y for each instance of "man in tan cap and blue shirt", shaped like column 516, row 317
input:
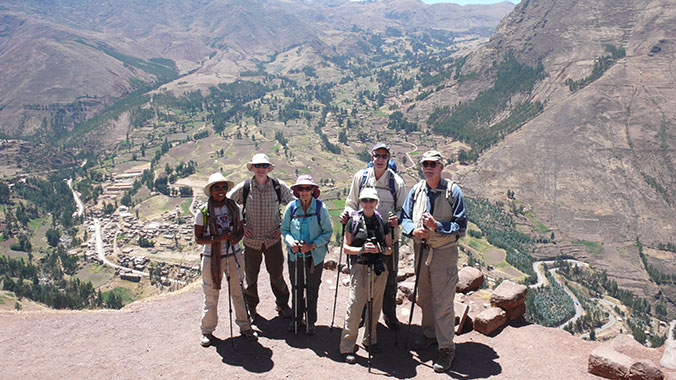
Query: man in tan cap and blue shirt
column 261, row 197
column 434, row 215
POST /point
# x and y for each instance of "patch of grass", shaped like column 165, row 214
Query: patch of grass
column 480, row 245
column 537, row 225
column 338, row 203
column 34, row 224
column 591, row 247
column 185, row 205
column 126, row 294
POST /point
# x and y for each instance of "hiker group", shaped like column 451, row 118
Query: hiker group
column 378, row 210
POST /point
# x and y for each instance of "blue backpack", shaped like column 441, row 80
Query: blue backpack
column 318, row 212
column 392, row 169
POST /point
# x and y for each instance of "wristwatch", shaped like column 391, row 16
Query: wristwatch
column 314, row 245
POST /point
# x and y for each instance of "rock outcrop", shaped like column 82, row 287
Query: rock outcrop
column 469, row 279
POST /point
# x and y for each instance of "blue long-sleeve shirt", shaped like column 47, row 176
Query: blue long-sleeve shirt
column 457, row 224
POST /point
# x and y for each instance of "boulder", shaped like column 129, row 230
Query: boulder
column 608, row 363
column 469, row 279
column 516, row 313
column 402, row 275
column 645, row 369
column 669, row 357
column 508, row 295
column 490, row 320
column 330, row 264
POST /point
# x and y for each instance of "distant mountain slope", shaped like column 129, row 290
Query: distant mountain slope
column 55, row 53
column 598, row 164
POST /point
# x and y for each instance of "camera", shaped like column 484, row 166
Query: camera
column 374, row 259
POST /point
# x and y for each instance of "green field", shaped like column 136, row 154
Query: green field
column 591, row 247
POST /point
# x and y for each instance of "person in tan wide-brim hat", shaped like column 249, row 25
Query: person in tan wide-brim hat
column 219, row 228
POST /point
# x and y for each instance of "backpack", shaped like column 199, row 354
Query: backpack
column 449, row 193
column 318, row 212
column 357, row 220
column 247, row 188
column 390, row 164
column 391, row 171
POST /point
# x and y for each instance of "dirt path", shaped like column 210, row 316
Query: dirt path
column 158, row 338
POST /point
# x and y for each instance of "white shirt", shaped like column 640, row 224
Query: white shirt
column 223, row 222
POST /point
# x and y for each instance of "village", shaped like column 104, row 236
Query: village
column 161, row 249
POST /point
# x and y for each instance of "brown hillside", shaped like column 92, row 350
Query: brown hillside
column 598, row 164
column 48, row 54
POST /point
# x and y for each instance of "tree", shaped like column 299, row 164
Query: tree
column 53, row 237
column 4, row 193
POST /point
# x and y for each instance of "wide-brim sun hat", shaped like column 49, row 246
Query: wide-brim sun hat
column 369, row 193
column 217, row 178
column 431, row 155
column 305, row 180
column 259, row 158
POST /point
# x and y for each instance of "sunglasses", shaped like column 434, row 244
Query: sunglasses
column 309, row 188
column 368, row 200
column 429, row 164
column 219, row 187
column 261, row 165
column 384, row 156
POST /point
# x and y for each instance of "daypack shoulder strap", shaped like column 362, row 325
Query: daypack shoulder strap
column 364, row 174
column 245, row 192
column 278, row 190
column 317, row 212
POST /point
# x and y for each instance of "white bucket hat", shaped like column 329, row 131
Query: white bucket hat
column 368, row 193
column 216, row 178
column 259, row 158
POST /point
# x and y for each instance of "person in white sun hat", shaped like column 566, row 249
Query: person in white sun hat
column 219, row 228
column 261, row 198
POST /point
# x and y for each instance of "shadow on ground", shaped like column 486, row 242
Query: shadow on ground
column 251, row 356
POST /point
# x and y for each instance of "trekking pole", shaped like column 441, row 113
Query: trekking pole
column 369, row 309
column 307, row 315
column 249, row 316
column 395, row 269
column 423, row 246
column 295, row 296
column 340, row 258
column 227, row 278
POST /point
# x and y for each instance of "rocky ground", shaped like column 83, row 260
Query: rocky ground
column 158, row 338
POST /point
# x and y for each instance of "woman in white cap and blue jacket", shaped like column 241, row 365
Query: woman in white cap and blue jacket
column 219, row 228
column 306, row 230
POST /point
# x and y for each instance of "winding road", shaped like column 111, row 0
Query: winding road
column 542, row 281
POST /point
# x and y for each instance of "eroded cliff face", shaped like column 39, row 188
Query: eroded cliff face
column 598, row 163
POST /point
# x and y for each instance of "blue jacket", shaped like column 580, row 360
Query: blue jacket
column 320, row 235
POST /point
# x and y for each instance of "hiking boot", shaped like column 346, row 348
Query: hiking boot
column 292, row 326
column 392, row 323
column 250, row 335
column 443, row 363
column 206, row 340
column 373, row 349
column 422, row 342
column 283, row 311
column 349, row 358
column 311, row 329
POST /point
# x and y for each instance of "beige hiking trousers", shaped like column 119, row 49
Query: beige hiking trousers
column 436, row 293
column 210, row 306
column 355, row 305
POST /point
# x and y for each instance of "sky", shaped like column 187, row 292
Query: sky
column 465, row 2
